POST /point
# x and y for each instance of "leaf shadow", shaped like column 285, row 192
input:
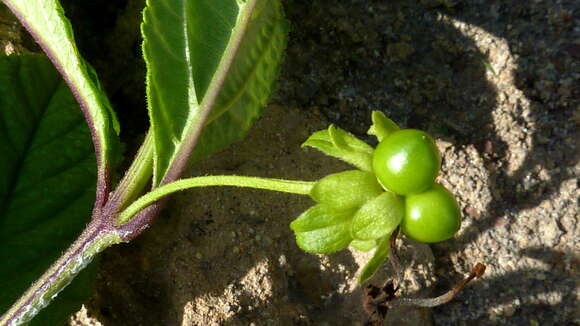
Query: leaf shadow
column 549, row 124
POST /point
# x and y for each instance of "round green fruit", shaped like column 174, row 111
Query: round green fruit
column 406, row 162
column 431, row 216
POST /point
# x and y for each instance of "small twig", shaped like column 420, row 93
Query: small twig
column 378, row 301
column 476, row 271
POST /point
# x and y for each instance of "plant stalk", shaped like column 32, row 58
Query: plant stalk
column 94, row 239
column 134, row 181
column 288, row 186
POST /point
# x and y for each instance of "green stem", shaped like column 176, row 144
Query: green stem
column 289, row 186
column 135, row 180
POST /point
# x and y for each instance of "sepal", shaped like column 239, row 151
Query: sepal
column 342, row 145
column 346, row 190
column 325, row 241
column 318, row 217
column 363, row 245
column 382, row 126
column 373, row 265
column 378, row 217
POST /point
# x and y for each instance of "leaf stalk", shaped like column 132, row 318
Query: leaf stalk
column 281, row 185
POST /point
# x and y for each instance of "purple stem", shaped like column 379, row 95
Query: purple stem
column 40, row 293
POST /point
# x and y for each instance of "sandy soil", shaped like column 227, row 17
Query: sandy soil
column 495, row 82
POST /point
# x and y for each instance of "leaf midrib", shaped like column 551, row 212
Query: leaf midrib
column 191, row 94
column 195, row 122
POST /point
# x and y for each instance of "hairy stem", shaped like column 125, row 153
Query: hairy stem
column 93, row 240
column 289, row 186
column 134, row 181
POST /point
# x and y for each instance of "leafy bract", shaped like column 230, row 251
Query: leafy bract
column 382, row 126
column 342, row 145
column 218, row 56
column 318, row 217
column 322, row 230
column 346, row 190
column 363, row 245
column 45, row 20
column 372, row 266
column 47, row 180
column 325, row 240
column 377, row 217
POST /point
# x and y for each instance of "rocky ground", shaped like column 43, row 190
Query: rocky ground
column 496, row 82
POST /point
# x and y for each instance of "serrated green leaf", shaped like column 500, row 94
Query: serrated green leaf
column 218, row 56
column 342, row 145
column 363, row 245
column 325, row 240
column 377, row 217
column 373, row 265
column 319, row 216
column 47, row 180
column 183, row 42
column 256, row 64
column 346, row 190
column 382, row 126
column 46, row 21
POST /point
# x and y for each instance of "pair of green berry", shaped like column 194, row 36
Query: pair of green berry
column 407, row 163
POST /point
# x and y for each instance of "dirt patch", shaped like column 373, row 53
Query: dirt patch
column 496, row 83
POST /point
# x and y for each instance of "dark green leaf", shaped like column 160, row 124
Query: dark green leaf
column 249, row 82
column 47, row 179
column 46, row 21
